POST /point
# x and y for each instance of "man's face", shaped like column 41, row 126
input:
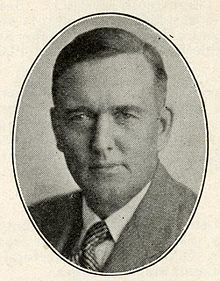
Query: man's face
column 107, row 125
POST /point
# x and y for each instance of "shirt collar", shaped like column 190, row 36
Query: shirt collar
column 116, row 221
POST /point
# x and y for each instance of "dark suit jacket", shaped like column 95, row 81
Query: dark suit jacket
column 156, row 224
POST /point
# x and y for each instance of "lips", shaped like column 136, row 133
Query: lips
column 106, row 167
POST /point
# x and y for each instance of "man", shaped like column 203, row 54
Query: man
column 110, row 122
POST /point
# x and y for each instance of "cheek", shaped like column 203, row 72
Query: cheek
column 76, row 145
column 142, row 148
column 73, row 139
column 142, row 156
column 142, row 139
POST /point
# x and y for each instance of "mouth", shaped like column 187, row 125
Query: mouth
column 106, row 168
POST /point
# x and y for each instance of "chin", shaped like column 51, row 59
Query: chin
column 112, row 193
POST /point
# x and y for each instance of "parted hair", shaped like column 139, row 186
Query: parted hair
column 106, row 42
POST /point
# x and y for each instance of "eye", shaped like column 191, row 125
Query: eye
column 78, row 116
column 123, row 116
column 127, row 115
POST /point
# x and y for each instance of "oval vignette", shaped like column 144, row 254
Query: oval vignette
column 25, row 150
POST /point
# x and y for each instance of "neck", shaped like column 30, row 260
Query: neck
column 100, row 208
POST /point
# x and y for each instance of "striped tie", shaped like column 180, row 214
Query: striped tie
column 97, row 234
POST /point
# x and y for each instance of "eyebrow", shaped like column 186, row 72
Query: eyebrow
column 76, row 109
column 132, row 108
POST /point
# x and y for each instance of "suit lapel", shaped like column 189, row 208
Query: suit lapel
column 128, row 253
column 143, row 237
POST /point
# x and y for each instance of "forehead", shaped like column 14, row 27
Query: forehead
column 120, row 79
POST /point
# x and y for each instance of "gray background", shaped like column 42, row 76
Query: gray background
column 40, row 167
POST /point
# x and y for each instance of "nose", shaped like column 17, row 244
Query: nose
column 103, row 139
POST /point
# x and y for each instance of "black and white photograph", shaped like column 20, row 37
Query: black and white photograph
column 110, row 144
column 109, row 140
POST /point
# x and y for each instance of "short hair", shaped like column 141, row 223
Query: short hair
column 106, row 42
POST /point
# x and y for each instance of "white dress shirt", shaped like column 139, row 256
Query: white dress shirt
column 115, row 222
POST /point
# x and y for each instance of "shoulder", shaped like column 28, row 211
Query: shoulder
column 171, row 189
column 181, row 196
column 55, row 205
column 171, row 200
column 51, row 215
column 185, row 202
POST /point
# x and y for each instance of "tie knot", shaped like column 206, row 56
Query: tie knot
column 96, row 234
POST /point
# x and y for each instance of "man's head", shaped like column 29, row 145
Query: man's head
column 109, row 90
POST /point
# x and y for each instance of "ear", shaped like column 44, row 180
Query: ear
column 57, row 128
column 165, row 126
